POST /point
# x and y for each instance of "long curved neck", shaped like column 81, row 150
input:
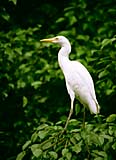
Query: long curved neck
column 63, row 56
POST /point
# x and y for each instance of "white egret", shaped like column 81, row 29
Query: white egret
column 79, row 82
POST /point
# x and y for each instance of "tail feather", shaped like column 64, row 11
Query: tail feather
column 98, row 108
column 94, row 106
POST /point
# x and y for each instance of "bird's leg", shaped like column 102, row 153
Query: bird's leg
column 70, row 113
column 84, row 118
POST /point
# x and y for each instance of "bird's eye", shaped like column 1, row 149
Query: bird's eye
column 57, row 38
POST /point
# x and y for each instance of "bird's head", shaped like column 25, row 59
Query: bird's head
column 58, row 39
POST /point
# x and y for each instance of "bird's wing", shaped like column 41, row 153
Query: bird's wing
column 85, row 77
column 78, row 75
column 80, row 81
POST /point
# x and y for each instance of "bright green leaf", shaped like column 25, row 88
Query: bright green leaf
column 76, row 148
column 61, row 19
column 100, row 153
column 42, row 126
column 21, row 155
column 42, row 134
column 68, row 155
column 103, row 73
column 5, row 16
column 101, row 139
column 25, row 101
column 36, row 84
column 114, row 146
column 65, row 151
column 77, row 136
column 37, row 152
column 26, row 145
column 47, row 145
column 14, row 1
column 105, row 42
column 34, row 136
column 53, row 154
column 111, row 118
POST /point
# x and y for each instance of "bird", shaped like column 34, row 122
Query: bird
column 79, row 82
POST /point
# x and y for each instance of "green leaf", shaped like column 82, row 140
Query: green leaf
column 37, row 152
column 73, row 20
column 61, row 158
column 18, row 50
column 73, row 122
column 68, row 155
column 77, row 109
column 14, row 1
column 114, row 146
column 77, row 137
column 26, row 145
column 100, row 153
column 101, row 139
column 21, row 84
column 53, row 154
column 59, row 20
column 109, row 92
column 25, row 101
column 36, row 84
column 99, row 158
column 5, row 16
column 111, row 118
column 105, row 42
column 42, row 134
column 77, row 148
column 72, row 139
column 93, row 138
column 34, row 137
column 111, row 130
column 21, row 155
column 65, row 151
column 103, row 73
column 83, row 37
column 46, row 145
column 41, row 127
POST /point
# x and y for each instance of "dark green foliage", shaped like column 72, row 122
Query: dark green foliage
column 95, row 141
column 33, row 96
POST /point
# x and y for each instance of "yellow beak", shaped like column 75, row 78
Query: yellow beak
column 48, row 40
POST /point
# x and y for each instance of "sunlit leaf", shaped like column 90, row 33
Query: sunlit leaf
column 77, row 148
column 65, row 151
column 111, row 118
column 14, row 1
column 36, row 150
column 101, row 139
column 34, row 136
column 61, row 19
column 41, row 127
column 42, row 134
column 101, row 153
column 53, row 154
column 114, row 146
column 47, row 145
column 25, row 101
column 26, row 145
column 5, row 16
column 103, row 74
column 68, row 155
column 36, row 84
column 21, row 155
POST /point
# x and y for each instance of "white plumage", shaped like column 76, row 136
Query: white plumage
column 79, row 82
